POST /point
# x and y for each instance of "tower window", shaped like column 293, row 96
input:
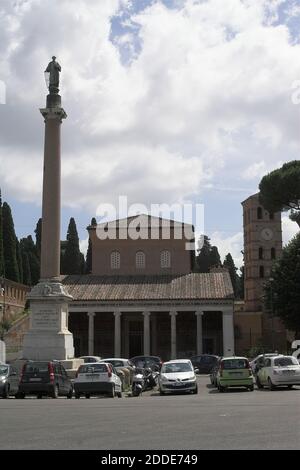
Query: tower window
column 273, row 253
column 165, row 259
column 140, row 260
column 261, row 271
column 260, row 253
column 115, row 260
column 259, row 213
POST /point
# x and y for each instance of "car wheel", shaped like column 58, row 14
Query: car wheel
column 161, row 392
column 120, row 395
column 77, row 395
column 39, row 396
column 290, row 387
column 70, row 394
column 194, row 392
column 258, row 383
column 87, row 395
column 55, row 392
column 270, row 384
column 251, row 388
column 5, row 393
column 112, row 393
column 221, row 389
column 20, row 395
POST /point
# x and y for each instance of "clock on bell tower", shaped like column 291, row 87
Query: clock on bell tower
column 262, row 245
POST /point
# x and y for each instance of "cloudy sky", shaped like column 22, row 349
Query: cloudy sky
column 167, row 100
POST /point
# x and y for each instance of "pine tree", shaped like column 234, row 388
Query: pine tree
column 72, row 259
column 38, row 237
column 229, row 264
column 1, row 240
column 9, row 245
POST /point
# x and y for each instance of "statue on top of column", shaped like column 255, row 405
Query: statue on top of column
column 52, row 72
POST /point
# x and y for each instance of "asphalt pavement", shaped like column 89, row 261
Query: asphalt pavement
column 237, row 419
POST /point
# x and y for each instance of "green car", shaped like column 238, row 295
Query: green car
column 234, row 372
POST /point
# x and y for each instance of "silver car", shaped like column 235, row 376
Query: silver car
column 9, row 380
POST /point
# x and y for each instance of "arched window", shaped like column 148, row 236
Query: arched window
column 259, row 213
column 165, row 259
column 115, row 260
column 261, row 271
column 273, row 253
column 140, row 260
column 260, row 253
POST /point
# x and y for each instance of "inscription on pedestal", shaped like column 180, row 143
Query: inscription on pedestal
column 46, row 318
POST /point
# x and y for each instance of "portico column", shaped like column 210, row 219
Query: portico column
column 146, row 333
column 199, row 316
column 228, row 332
column 173, row 335
column 91, row 316
column 117, row 334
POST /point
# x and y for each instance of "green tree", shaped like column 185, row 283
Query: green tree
column 19, row 260
column 207, row 257
column 72, row 259
column 9, row 245
column 229, row 264
column 1, row 240
column 38, row 237
column 282, row 291
column 280, row 190
column 28, row 246
column 26, row 269
column 89, row 261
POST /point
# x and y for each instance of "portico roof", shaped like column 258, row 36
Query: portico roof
column 193, row 286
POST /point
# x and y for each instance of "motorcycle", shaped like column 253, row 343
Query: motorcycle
column 151, row 378
column 138, row 382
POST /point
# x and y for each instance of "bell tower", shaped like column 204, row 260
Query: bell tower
column 262, row 245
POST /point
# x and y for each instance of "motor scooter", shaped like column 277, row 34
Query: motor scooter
column 138, row 382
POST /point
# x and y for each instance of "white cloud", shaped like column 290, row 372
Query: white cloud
column 208, row 94
column 289, row 229
column 83, row 245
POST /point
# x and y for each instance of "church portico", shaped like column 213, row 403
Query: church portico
column 169, row 332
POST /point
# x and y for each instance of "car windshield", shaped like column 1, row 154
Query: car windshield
column 176, row 367
column 115, row 363
column 235, row 364
column 90, row 369
column 3, row 370
column 36, row 367
column 285, row 361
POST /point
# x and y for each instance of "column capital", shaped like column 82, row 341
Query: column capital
column 227, row 310
column 91, row 314
column 146, row 313
column 199, row 312
column 173, row 313
column 117, row 313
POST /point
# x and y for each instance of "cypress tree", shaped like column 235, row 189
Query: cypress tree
column 229, row 264
column 207, row 257
column 72, row 259
column 215, row 260
column 28, row 246
column 26, row 269
column 9, row 245
column 89, row 261
column 19, row 260
column 38, row 237
column 1, row 240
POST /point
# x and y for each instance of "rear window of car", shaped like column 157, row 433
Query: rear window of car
column 235, row 364
column 285, row 361
column 36, row 367
column 89, row 369
column 116, row 363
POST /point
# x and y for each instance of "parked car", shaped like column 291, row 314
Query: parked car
column 9, row 380
column 258, row 361
column 142, row 362
column 44, row 378
column 124, row 369
column 89, row 359
column 204, row 362
column 177, row 375
column 234, row 372
column 214, row 372
column 97, row 379
column 277, row 371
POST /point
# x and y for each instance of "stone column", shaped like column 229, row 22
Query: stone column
column 154, row 334
column 91, row 338
column 146, row 333
column 199, row 316
column 50, row 248
column 173, row 335
column 228, row 332
column 117, row 334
